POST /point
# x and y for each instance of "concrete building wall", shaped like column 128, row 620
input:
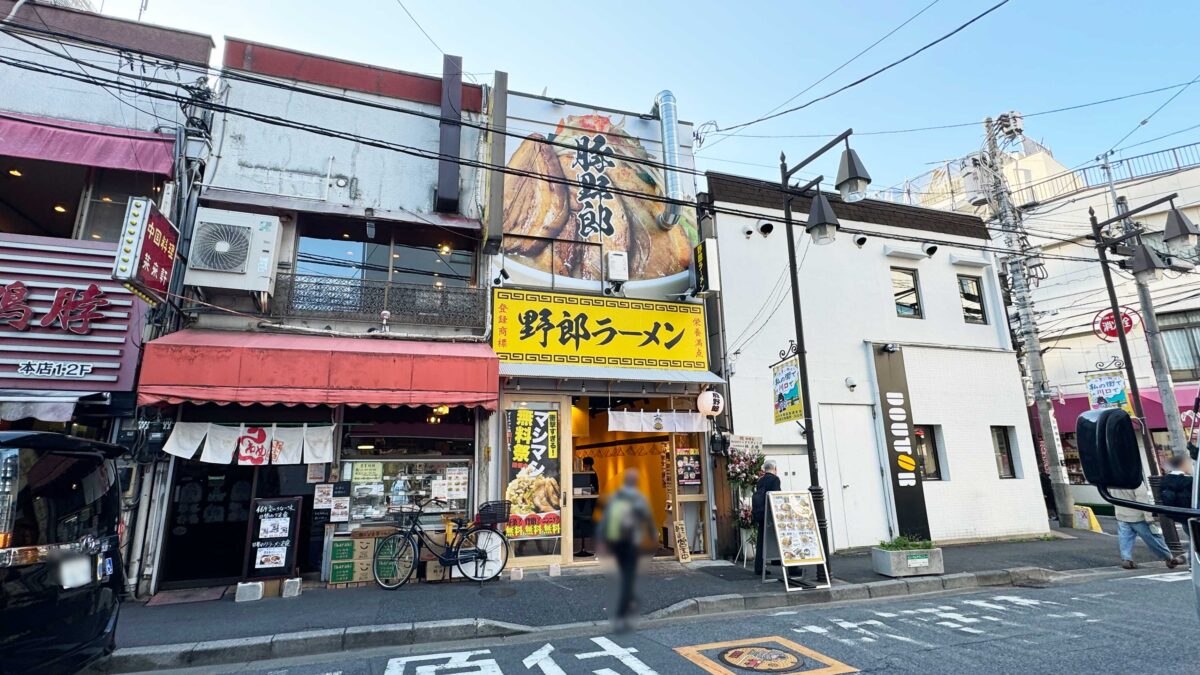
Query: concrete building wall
column 51, row 95
column 259, row 157
column 972, row 499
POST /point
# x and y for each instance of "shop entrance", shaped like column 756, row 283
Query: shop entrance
column 671, row 468
column 561, row 463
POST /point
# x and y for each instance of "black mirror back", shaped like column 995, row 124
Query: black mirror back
column 1108, row 449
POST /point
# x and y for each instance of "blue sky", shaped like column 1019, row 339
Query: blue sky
column 732, row 62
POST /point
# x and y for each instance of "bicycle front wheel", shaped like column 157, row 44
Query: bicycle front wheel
column 482, row 554
column 395, row 560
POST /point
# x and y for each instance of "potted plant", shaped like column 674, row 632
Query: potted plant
column 906, row 557
column 745, row 524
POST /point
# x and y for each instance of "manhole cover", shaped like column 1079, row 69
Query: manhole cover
column 498, row 592
column 761, row 659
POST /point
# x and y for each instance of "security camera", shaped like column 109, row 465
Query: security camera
column 765, row 227
column 860, row 240
column 748, row 230
column 891, row 348
column 501, row 277
column 929, row 249
column 851, row 384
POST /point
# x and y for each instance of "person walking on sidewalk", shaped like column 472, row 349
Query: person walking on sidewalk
column 626, row 521
column 768, row 482
column 1132, row 524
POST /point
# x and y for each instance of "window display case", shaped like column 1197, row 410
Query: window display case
column 381, row 489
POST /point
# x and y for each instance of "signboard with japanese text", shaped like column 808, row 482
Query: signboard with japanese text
column 705, row 266
column 273, row 533
column 65, row 325
column 1108, row 390
column 608, row 193
column 687, row 466
column 147, row 255
column 793, row 521
column 541, row 327
column 785, row 380
column 532, row 453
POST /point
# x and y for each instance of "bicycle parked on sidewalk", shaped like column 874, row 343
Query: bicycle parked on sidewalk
column 478, row 549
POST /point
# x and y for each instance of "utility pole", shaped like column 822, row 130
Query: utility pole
column 1009, row 220
column 1158, row 353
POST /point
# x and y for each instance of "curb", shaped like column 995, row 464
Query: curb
column 319, row 642
column 304, row 643
column 719, row 604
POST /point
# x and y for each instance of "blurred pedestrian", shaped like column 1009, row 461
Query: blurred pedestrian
column 626, row 522
column 768, row 482
column 1132, row 523
column 1176, row 486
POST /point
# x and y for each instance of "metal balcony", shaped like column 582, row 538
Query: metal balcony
column 339, row 299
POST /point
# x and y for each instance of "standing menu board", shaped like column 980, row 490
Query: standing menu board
column 272, row 538
column 792, row 525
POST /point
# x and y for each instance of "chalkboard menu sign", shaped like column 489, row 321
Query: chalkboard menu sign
column 272, row 538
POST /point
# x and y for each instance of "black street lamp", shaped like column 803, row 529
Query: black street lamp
column 1145, row 264
column 821, row 225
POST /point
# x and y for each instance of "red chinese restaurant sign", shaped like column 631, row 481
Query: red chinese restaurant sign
column 64, row 324
column 147, row 254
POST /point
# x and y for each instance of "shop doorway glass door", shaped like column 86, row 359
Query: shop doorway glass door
column 536, row 473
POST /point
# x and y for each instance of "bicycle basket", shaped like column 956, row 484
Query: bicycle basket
column 405, row 516
column 493, row 513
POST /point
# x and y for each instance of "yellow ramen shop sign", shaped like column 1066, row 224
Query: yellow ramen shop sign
column 540, row 327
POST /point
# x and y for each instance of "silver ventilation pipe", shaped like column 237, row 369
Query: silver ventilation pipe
column 668, row 120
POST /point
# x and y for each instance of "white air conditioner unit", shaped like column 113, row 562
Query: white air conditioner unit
column 233, row 250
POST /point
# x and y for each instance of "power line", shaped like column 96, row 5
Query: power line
column 833, row 72
column 1146, row 121
column 873, row 74
column 434, row 155
column 959, row 125
column 420, row 28
column 245, row 77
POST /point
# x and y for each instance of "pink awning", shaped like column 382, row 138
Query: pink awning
column 57, row 140
column 1068, row 410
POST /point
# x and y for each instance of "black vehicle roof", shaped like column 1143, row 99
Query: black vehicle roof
column 49, row 441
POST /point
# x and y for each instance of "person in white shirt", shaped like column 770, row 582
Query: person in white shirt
column 1132, row 523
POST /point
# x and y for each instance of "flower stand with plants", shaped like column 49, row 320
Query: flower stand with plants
column 907, row 557
column 743, row 469
column 742, row 518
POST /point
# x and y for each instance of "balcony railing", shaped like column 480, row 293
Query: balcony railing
column 314, row 296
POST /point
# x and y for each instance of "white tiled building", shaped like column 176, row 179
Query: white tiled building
column 968, row 410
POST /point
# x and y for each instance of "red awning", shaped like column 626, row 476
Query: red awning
column 57, row 140
column 202, row 366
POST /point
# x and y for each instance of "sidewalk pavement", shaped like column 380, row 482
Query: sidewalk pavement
column 579, row 595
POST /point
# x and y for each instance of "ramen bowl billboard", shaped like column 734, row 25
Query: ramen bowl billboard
column 585, row 182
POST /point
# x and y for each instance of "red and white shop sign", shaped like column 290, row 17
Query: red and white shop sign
column 1105, row 326
column 64, row 324
column 147, row 256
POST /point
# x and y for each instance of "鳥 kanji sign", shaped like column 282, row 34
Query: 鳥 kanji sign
column 64, row 323
column 539, row 327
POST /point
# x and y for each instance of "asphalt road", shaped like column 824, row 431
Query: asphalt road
column 1123, row 624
